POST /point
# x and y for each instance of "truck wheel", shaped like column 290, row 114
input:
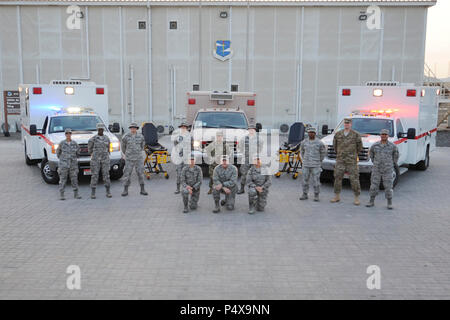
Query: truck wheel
column 49, row 176
column 28, row 161
column 424, row 164
column 326, row 176
column 116, row 175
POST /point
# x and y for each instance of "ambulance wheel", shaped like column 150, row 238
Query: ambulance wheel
column 49, row 176
column 326, row 176
column 424, row 164
column 116, row 174
column 28, row 161
column 395, row 177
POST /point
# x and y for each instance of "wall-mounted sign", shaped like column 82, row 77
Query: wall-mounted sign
column 223, row 51
column 11, row 102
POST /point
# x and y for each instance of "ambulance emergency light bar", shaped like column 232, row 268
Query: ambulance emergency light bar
column 73, row 110
column 375, row 112
column 379, row 92
column 68, row 90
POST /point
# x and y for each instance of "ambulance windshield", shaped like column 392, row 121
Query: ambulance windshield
column 76, row 123
column 232, row 120
column 371, row 126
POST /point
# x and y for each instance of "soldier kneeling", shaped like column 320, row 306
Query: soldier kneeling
column 191, row 180
column 258, row 187
column 225, row 181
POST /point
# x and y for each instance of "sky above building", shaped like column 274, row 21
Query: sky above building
column 437, row 54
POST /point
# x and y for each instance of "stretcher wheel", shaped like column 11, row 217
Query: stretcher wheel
column 166, row 175
column 278, row 174
column 295, row 176
column 148, row 177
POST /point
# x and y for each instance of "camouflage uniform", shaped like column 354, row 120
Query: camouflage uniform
column 191, row 177
column 181, row 140
column 227, row 177
column 223, row 149
column 256, row 179
column 252, row 147
column 347, row 148
column 67, row 154
column 384, row 157
column 312, row 153
column 132, row 147
column 98, row 147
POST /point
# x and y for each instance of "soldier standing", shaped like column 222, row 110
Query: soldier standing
column 347, row 144
column 183, row 138
column 215, row 150
column 191, row 180
column 384, row 155
column 252, row 146
column 225, row 181
column 312, row 151
column 258, row 187
column 98, row 147
column 132, row 146
column 67, row 153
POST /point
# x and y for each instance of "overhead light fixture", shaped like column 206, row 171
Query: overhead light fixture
column 378, row 92
column 69, row 90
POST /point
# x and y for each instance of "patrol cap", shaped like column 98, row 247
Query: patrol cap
column 219, row 133
column 183, row 124
column 311, row 129
column 348, row 120
column 133, row 125
column 100, row 126
column 252, row 126
column 384, row 131
column 68, row 130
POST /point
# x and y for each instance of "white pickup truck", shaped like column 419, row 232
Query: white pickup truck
column 47, row 110
column 409, row 113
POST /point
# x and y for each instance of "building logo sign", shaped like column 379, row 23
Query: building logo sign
column 223, row 50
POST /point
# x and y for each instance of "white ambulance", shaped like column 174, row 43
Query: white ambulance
column 211, row 111
column 409, row 113
column 47, row 110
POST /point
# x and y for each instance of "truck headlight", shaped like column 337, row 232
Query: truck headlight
column 54, row 148
column 114, row 146
column 197, row 144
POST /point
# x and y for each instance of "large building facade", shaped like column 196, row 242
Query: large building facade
column 292, row 54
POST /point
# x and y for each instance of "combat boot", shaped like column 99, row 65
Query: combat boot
column 251, row 209
column 143, row 192
column 210, row 191
column 241, row 190
column 223, row 202
column 61, row 195
column 76, row 195
column 125, row 191
column 304, row 196
column 185, row 202
column 178, row 189
column 108, row 192
column 337, row 198
column 217, row 208
column 93, row 193
column 193, row 206
column 371, row 202
column 356, row 202
column 316, row 197
column 389, row 205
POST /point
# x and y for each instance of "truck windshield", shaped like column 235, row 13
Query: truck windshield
column 233, row 120
column 76, row 123
column 371, row 126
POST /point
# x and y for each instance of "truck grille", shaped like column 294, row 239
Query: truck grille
column 363, row 155
column 84, row 152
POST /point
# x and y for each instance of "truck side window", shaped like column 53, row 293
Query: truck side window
column 399, row 126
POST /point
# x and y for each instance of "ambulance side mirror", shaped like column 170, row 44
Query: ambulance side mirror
column 115, row 127
column 258, row 127
column 33, row 130
column 400, row 135
column 411, row 133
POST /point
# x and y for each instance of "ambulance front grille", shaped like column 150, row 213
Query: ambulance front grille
column 363, row 155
